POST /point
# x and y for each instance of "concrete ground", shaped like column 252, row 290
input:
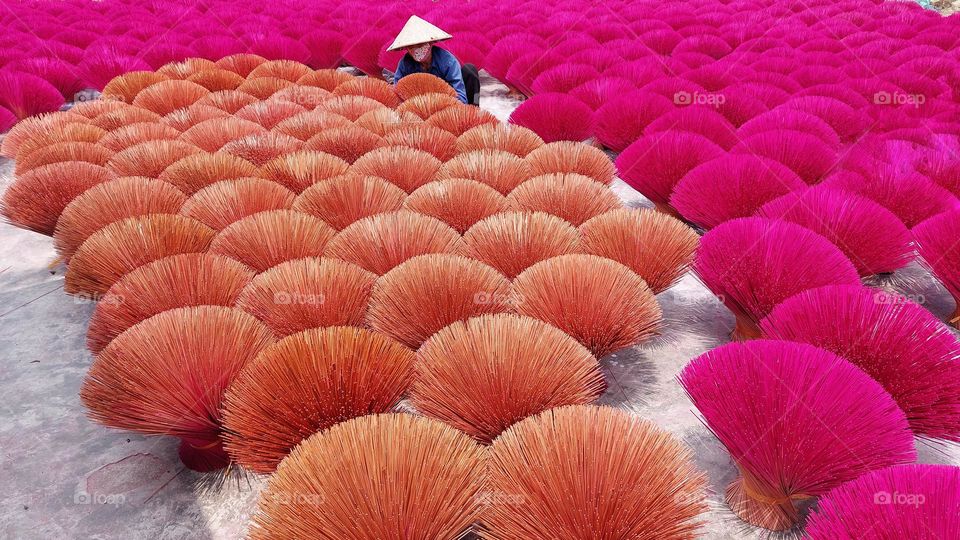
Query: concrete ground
column 946, row 7
column 62, row 476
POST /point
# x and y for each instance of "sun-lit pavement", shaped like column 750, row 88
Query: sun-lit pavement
column 61, row 476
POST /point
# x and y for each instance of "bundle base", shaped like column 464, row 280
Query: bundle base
column 665, row 208
column 745, row 330
column 514, row 92
column 203, row 455
column 772, row 516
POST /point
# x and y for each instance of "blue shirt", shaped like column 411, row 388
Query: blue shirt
column 443, row 64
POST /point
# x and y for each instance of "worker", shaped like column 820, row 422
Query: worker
column 418, row 38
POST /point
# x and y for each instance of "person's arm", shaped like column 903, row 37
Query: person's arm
column 454, row 76
column 401, row 70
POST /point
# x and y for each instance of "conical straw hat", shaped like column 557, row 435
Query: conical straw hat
column 417, row 31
